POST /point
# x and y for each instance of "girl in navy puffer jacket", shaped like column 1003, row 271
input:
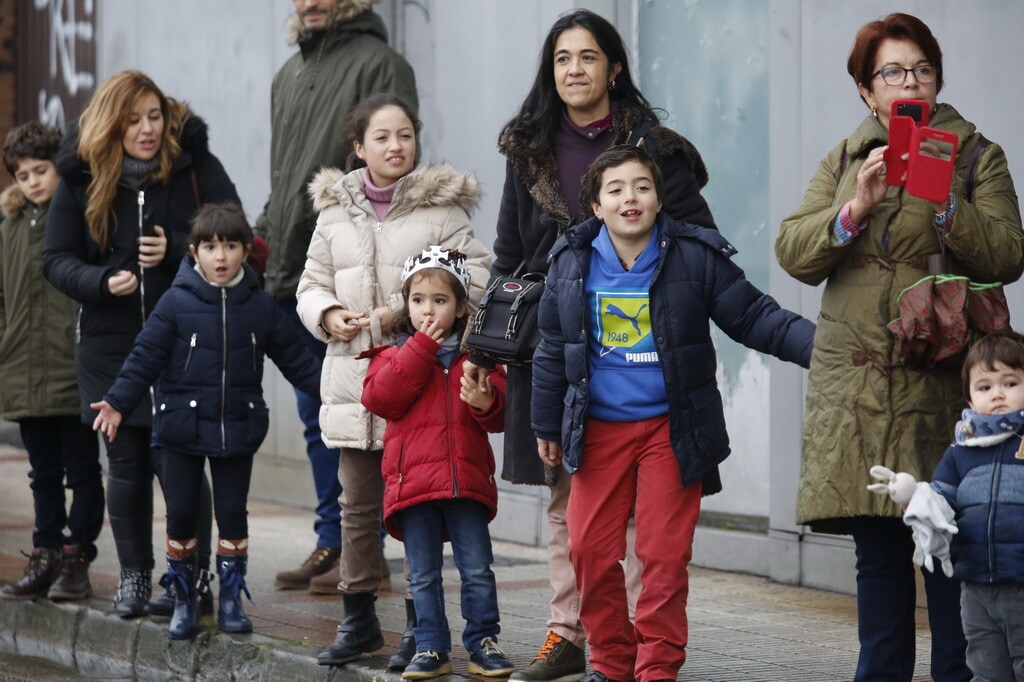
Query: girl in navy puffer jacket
column 206, row 341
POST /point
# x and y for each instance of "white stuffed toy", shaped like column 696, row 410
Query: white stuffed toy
column 927, row 513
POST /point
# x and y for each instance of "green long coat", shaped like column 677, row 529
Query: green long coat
column 862, row 407
column 37, row 352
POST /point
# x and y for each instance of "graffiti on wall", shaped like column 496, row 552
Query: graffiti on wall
column 59, row 37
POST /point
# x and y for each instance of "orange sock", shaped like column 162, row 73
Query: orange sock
column 233, row 547
column 180, row 549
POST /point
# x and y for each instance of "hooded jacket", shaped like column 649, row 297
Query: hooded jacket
column 532, row 215
column 76, row 265
column 37, row 369
column 435, row 446
column 310, row 98
column 695, row 283
column 863, row 407
column 207, row 344
column 355, row 262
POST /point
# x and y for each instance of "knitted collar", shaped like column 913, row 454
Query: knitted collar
column 980, row 430
column 134, row 172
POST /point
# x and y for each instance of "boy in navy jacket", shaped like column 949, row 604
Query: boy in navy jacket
column 206, row 341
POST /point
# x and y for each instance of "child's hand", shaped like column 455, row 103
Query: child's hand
column 153, row 249
column 476, row 395
column 107, row 421
column 343, row 325
column 432, row 328
column 477, row 374
column 122, row 283
column 550, row 452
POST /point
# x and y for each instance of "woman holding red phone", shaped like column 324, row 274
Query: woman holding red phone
column 868, row 240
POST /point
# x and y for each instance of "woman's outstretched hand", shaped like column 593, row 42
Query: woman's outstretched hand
column 107, row 421
column 871, row 185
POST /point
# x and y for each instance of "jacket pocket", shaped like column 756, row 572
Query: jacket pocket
column 176, row 421
column 258, row 423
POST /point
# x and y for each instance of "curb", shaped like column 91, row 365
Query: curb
column 100, row 644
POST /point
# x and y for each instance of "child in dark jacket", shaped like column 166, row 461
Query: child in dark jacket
column 972, row 513
column 438, row 466
column 37, row 373
column 205, row 341
column 624, row 381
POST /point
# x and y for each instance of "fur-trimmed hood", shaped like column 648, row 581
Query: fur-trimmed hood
column 436, row 185
column 194, row 141
column 539, row 171
column 12, row 200
column 343, row 11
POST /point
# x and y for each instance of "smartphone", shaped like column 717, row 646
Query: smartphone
column 905, row 116
column 930, row 166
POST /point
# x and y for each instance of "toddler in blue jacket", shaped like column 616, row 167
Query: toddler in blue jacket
column 206, row 341
column 971, row 516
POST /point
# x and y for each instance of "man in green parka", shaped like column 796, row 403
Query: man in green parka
column 343, row 57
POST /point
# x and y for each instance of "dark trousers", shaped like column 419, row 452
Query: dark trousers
column 886, row 596
column 59, row 449
column 183, row 484
column 132, row 465
column 322, row 459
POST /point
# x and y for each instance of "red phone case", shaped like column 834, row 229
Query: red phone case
column 901, row 128
column 929, row 177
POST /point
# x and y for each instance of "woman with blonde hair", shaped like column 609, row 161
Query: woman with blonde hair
column 133, row 171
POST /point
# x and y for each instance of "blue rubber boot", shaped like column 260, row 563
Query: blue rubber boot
column 180, row 579
column 230, row 616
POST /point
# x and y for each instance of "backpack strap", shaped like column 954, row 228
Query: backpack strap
column 639, row 137
column 972, row 164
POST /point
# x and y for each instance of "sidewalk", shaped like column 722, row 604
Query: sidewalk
column 742, row 628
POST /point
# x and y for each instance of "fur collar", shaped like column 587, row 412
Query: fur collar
column 12, row 201
column 539, row 172
column 343, row 11
column 195, row 141
column 437, row 185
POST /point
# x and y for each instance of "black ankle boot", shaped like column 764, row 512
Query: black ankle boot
column 230, row 616
column 359, row 632
column 133, row 592
column 407, row 647
column 180, row 580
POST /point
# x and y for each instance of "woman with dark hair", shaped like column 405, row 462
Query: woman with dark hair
column 583, row 100
column 868, row 241
column 133, row 171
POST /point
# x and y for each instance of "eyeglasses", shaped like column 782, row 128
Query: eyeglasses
column 897, row 75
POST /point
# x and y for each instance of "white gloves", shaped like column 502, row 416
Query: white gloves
column 928, row 515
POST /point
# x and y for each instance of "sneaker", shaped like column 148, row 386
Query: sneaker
column 427, row 664
column 43, row 568
column 558, row 660
column 490, row 661
column 73, row 580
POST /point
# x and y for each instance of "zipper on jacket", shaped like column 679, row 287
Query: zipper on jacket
column 993, row 491
column 142, row 270
column 253, row 335
column 191, row 347
column 448, row 421
column 380, row 224
column 223, row 364
column 78, row 325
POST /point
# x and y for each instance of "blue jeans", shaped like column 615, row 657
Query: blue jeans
column 465, row 521
column 322, row 459
column 886, row 596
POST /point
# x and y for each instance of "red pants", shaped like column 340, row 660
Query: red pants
column 631, row 466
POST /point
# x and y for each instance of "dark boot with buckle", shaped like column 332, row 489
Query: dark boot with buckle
column 43, row 568
column 163, row 606
column 231, row 571
column 133, row 592
column 180, row 579
column 407, row 647
column 359, row 632
column 73, row 580
column 322, row 560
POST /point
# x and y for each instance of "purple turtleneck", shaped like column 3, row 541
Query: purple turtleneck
column 379, row 197
column 576, row 147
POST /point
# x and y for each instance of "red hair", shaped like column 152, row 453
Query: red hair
column 861, row 63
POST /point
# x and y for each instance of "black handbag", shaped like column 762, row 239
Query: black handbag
column 505, row 326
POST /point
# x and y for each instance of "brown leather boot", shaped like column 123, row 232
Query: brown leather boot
column 43, row 567
column 327, row 583
column 322, row 560
column 73, row 581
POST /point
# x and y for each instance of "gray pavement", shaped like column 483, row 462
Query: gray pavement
column 742, row 628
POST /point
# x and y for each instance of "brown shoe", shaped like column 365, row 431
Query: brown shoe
column 327, row 583
column 319, row 562
column 43, row 567
column 73, row 581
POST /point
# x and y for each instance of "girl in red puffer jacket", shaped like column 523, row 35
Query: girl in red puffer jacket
column 438, row 466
